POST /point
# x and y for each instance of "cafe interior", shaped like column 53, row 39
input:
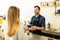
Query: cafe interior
column 50, row 9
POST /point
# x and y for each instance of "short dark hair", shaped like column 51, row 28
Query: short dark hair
column 37, row 7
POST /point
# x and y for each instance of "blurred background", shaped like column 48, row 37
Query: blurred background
column 49, row 9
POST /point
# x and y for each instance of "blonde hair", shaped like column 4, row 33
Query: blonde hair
column 13, row 20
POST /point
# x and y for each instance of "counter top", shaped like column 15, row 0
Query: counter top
column 49, row 33
column 52, row 34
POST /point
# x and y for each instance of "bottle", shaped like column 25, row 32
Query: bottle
column 49, row 26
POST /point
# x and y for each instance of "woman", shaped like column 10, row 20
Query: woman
column 13, row 23
column 15, row 27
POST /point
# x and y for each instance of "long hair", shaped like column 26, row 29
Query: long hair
column 13, row 20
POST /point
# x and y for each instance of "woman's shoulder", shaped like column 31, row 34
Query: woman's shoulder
column 19, row 32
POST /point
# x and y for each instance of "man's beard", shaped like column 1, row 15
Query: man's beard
column 36, row 13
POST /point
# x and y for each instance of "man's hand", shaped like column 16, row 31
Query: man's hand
column 34, row 27
column 39, row 28
column 25, row 28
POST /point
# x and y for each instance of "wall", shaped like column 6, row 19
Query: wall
column 26, row 10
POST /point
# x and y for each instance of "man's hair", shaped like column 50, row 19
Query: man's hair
column 37, row 7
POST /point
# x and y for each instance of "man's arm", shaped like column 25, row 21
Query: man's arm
column 42, row 25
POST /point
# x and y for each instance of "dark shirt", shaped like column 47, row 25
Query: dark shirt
column 39, row 22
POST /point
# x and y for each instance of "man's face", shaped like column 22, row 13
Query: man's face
column 36, row 10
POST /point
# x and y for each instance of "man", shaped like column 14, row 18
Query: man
column 38, row 24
